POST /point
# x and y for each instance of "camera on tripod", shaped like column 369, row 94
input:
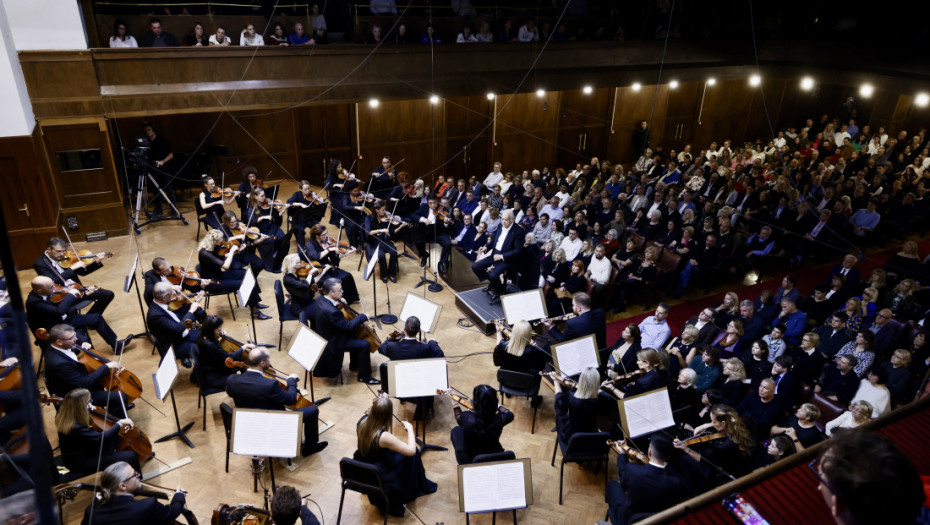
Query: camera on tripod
column 138, row 158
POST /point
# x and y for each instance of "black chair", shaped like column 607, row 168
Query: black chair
column 582, row 447
column 229, row 296
column 227, row 412
column 506, row 455
column 203, row 390
column 519, row 384
column 284, row 313
column 363, row 478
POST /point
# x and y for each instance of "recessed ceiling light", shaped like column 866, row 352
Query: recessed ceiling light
column 491, row 96
column 711, row 81
column 807, row 83
column 636, row 86
column 373, row 103
column 673, row 84
column 866, row 90
column 922, row 99
column 434, row 100
column 587, row 90
column 755, row 80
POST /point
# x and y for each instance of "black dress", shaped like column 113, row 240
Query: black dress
column 574, row 415
column 81, row 448
column 474, row 438
column 531, row 361
column 212, row 363
column 404, row 477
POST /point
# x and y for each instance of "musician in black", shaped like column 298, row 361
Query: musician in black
column 234, row 232
column 212, row 360
column 118, row 506
column 430, row 222
column 49, row 265
column 380, row 229
column 83, row 449
column 160, row 157
column 323, row 249
column 254, row 390
column 648, row 488
column 273, row 244
column 286, row 508
column 480, row 429
column 731, row 453
column 407, row 347
column 245, row 188
column 159, row 274
column 305, row 209
column 226, row 271
column 339, row 333
column 383, row 178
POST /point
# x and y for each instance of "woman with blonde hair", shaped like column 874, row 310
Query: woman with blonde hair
column 859, row 413
column 83, row 449
column 901, row 299
column 225, row 271
column 577, row 410
column 732, row 389
column 727, row 310
column 398, row 462
column 730, row 454
column 520, row 353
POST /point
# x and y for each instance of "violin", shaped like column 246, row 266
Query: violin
column 362, row 331
column 622, row 448
column 180, row 300
column 706, row 437
column 130, row 437
column 117, row 381
column 251, row 233
column 409, row 190
column 343, row 248
column 267, row 204
column 217, row 193
column 60, row 291
column 84, row 256
column 398, row 336
column 565, row 317
column 628, row 378
column 304, row 268
column 191, row 278
column 441, row 213
column 564, row 381
column 225, row 514
column 462, row 400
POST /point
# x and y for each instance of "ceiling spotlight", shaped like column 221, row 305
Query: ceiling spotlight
column 711, row 81
column 540, row 93
column 491, row 96
column 922, row 99
column 587, row 90
column 673, row 84
column 807, row 83
column 636, row 86
column 434, row 100
column 866, row 90
column 373, row 103
column 755, row 80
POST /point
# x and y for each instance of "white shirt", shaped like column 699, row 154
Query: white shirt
column 215, row 42
column 257, row 40
column 563, row 199
column 877, row 396
column 571, row 247
column 503, row 237
column 129, row 41
column 68, row 353
column 600, row 270
column 525, row 35
column 553, row 213
column 493, row 179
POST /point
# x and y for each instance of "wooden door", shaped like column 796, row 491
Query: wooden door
column 29, row 211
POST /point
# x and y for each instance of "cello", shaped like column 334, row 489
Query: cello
column 273, row 373
column 363, row 330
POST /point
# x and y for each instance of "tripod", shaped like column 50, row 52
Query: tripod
column 142, row 206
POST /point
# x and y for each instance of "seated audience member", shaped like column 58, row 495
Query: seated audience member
column 873, row 390
column 680, row 347
column 156, row 37
column 704, row 322
column 220, row 38
column 299, row 38
column 779, row 448
column 726, row 341
column 817, row 307
column 861, row 348
column 708, row 368
column 858, row 414
column 753, row 325
column 776, row 342
column 801, row 428
column 832, row 335
column 732, row 388
column 654, row 329
column 787, row 386
column 648, row 488
column 899, row 377
column 762, row 409
column 795, row 321
column 757, row 363
column 839, row 382
column 686, row 402
column 883, row 330
column 479, row 430
column 249, row 37
column 864, row 478
column 808, row 362
column 121, row 36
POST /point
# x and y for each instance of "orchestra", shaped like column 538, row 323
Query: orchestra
column 93, row 395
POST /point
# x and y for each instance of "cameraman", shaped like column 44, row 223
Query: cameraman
column 160, row 156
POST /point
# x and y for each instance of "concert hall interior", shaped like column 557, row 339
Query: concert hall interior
column 713, row 212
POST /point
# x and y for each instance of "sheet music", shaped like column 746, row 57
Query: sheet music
column 572, row 357
column 306, row 348
column 245, row 289
column 166, row 374
column 419, row 378
column 252, row 435
column 370, row 267
column 424, row 310
column 647, row 413
column 132, row 274
column 493, row 487
column 526, row 306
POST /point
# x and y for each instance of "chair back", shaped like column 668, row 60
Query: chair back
column 829, row 409
column 195, row 360
column 668, row 261
column 586, row 446
column 361, row 477
column 527, row 384
column 227, row 412
column 495, row 456
column 279, row 297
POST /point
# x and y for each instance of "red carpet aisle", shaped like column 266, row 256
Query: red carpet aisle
column 807, row 277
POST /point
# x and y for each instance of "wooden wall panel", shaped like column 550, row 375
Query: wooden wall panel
column 527, row 131
column 406, row 129
column 466, row 142
column 582, row 126
column 631, row 108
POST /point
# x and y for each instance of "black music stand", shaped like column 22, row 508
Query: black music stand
column 132, row 281
column 164, row 379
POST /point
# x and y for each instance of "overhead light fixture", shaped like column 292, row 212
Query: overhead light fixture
column 491, row 96
column 373, row 103
column 755, row 80
column 636, row 86
column 922, row 99
column 434, row 100
column 587, row 90
column 807, row 83
column 711, row 81
column 866, row 90
column 673, row 84
column 540, row 93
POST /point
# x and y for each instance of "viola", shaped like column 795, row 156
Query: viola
column 462, row 400
column 273, row 373
column 362, row 331
column 217, row 193
column 622, row 448
column 59, row 291
column 398, row 336
column 343, row 248
column 225, row 514
column 117, row 381
column 267, row 204
column 705, row 438
column 191, row 278
column 84, row 256
column 130, row 438
column 180, row 300
column 304, row 268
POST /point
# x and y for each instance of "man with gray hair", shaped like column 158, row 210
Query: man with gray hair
column 170, row 327
column 495, row 259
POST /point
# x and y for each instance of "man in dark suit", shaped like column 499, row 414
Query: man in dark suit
column 410, row 348
column 41, row 312
column 707, row 330
column 253, row 390
column 885, row 332
column 120, row 506
column 340, row 337
column 787, row 385
column 169, row 327
column 159, row 274
column 506, row 246
column 585, row 322
column 48, row 265
column 64, row 373
column 848, row 269
column 457, row 236
column 833, row 336
column 428, row 226
column 648, row 488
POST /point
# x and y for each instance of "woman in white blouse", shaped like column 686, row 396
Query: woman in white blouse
column 873, row 390
column 250, row 38
column 858, row 414
column 121, row 36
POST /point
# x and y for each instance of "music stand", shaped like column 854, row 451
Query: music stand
column 490, row 487
column 164, row 379
column 387, row 318
column 529, row 305
column 306, row 348
column 131, row 280
column 243, row 293
column 251, row 436
column 413, row 378
column 425, row 310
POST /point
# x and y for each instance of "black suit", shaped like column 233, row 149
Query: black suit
column 338, row 332
column 642, row 488
column 852, row 278
column 511, row 249
column 126, row 509
column 412, row 349
column 43, row 313
column 170, row 332
column 706, row 334
column 807, row 368
column 788, row 390
column 46, row 267
column 254, row 390
column 589, row 323
column 830, row 343
column 63, row 374
column 301, row 295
